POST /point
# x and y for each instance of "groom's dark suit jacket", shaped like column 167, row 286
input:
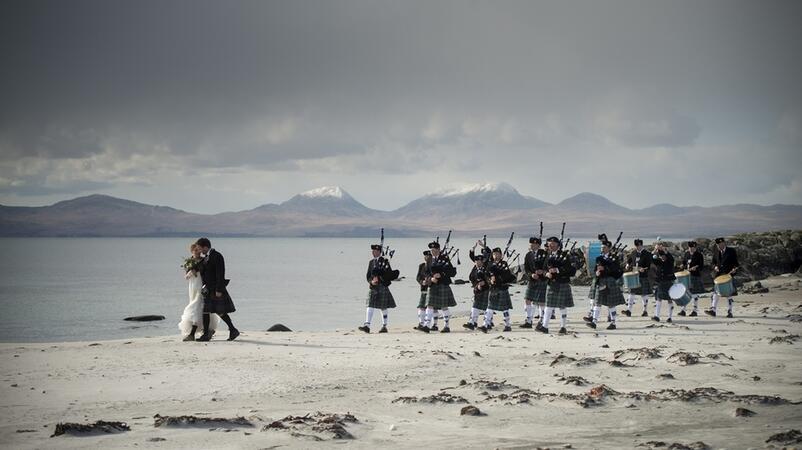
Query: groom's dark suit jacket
column 213, row 272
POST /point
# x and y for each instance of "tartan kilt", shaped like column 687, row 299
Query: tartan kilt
column 611, row 295
column 440, row 296
column 480, row 300
column 380, row 297
column 422, row 301
column 536, row 291
column 214, row 305
column 558, row 295
column 662, row 290
column 592, row 291
column 697, row 287
column 645, row 287
column 499, row 300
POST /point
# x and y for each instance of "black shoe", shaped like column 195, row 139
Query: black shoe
column 656, row 319
column 681, row 313
column 483, row 329
column 553, row 316
column 423, row 328
column 611, row 326
column 729, row 315
column 525, row 325
column 669, row 320
column 588, row 319
column 627, row 313
column 644, row 314
column 562, row 331
column 417, row 327
column 693, row 314
column 446, row 330
column 383, row 329
column 591, row 324
column 232, row 334
column 189, row 337
column 434, row 328
column 205, row 337
column 470, row 326
column 710, row 312
column 491, row 326
column 507, row 328
column 539, row 327
column 364, row 328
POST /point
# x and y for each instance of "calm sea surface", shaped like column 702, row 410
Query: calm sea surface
column 67, row 289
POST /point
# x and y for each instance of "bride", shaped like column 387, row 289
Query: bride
column 192, row 318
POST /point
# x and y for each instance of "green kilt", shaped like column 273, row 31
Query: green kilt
column 480, row 300
column 662, row 289
column 422, row 301
column 697, row 287
column 536, row 291
column 440, row 296
column 645, row 287
column 380, row 297
column 592, row 291
column 499, row 300
column 609, row 293
column 558, row 295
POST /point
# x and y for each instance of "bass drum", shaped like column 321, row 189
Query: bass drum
column 593, row 252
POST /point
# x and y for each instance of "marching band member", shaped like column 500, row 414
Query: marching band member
column 608, row 292
column 498, row 298
column 424, row 268
column 665, row 279
column 725, row 262
column 640, row 260
column 534, row 264
column 559, row 270
column 480, row 280
column 440, row 296
column 694, row 262
column 379, row 296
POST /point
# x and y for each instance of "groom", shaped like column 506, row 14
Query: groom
column 215, row 295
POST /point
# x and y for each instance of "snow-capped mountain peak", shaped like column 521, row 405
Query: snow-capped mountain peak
column 476, row 188
column 325, row 191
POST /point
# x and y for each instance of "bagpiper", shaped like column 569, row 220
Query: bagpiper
column 480, row 280
column 694, row 262
column 379, row 277
column 440, row 296
column 499, row 297
column 664, row 262
column 608, row 291
column 422, row 278
column 725, row 262
column 559, row 270
column 534, row 267
column 640, row 260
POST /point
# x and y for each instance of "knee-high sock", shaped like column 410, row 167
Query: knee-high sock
column 591, row 304
column 714, row 301
column 427, row 320
column 488, row 317
column 695, row 302
column 384, row 317
column 506, row 318
column 645, row 300
column 630, row 301
column 369, row 316
column 435, row 316
column 658, row 304
column 227, row 319
column 421, row 315
column 670, row 309
column 541, row 308
column 596, row 313
column 446, row 315
column 529, row 312
column 730, row 302
column 207, row 319
column 474, row 315
column 563, row 317
column 544, row 319
column 612, row 315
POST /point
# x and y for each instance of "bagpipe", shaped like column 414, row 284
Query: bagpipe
column 564, row 253
column 383, row 270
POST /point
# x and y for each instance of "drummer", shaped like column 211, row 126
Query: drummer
column 694, row 262
column 665, row 279
column 641, row 261
column 725, row 262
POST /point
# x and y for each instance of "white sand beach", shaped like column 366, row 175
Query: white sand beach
column 532, row 390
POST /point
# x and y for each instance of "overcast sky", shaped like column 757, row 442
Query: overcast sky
column 212, row 106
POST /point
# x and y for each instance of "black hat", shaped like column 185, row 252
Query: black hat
column 553, row 239
column 375, row 247
column 607, row 244
column 497, row 250
column 719, row 240
column 427, row 253
column 434, row 244
column 602, row 237
column 638, row 242
column 480, row 256
column 535, row 240
column 691, row 243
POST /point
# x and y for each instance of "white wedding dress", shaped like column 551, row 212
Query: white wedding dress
column 193, row 313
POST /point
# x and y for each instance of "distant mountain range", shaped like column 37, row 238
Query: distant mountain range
column 491, row 208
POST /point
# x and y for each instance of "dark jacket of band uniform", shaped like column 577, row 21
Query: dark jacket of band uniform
column 566, row 268
column 726, row 261
column 641, row 260
column 502, row 273
column 612, row 268
column 534, row 261
column 477, row 275
column 380, row 267
column 423, row 273
column 443, row 266
column 665, row 269
column 695, row 260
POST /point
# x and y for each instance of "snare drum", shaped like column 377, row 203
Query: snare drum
column 679, row 294
column 631, row 280
column 724, row 285
column 684, row 278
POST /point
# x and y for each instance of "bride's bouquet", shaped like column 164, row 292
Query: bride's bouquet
column 191, row 264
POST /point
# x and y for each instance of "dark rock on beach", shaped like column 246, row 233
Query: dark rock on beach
column 101, row 426
column 179, row 421
column 279, row 327
column 147, row 318
column 470, row 410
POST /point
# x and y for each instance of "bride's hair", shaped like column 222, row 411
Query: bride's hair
column 193, row 246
